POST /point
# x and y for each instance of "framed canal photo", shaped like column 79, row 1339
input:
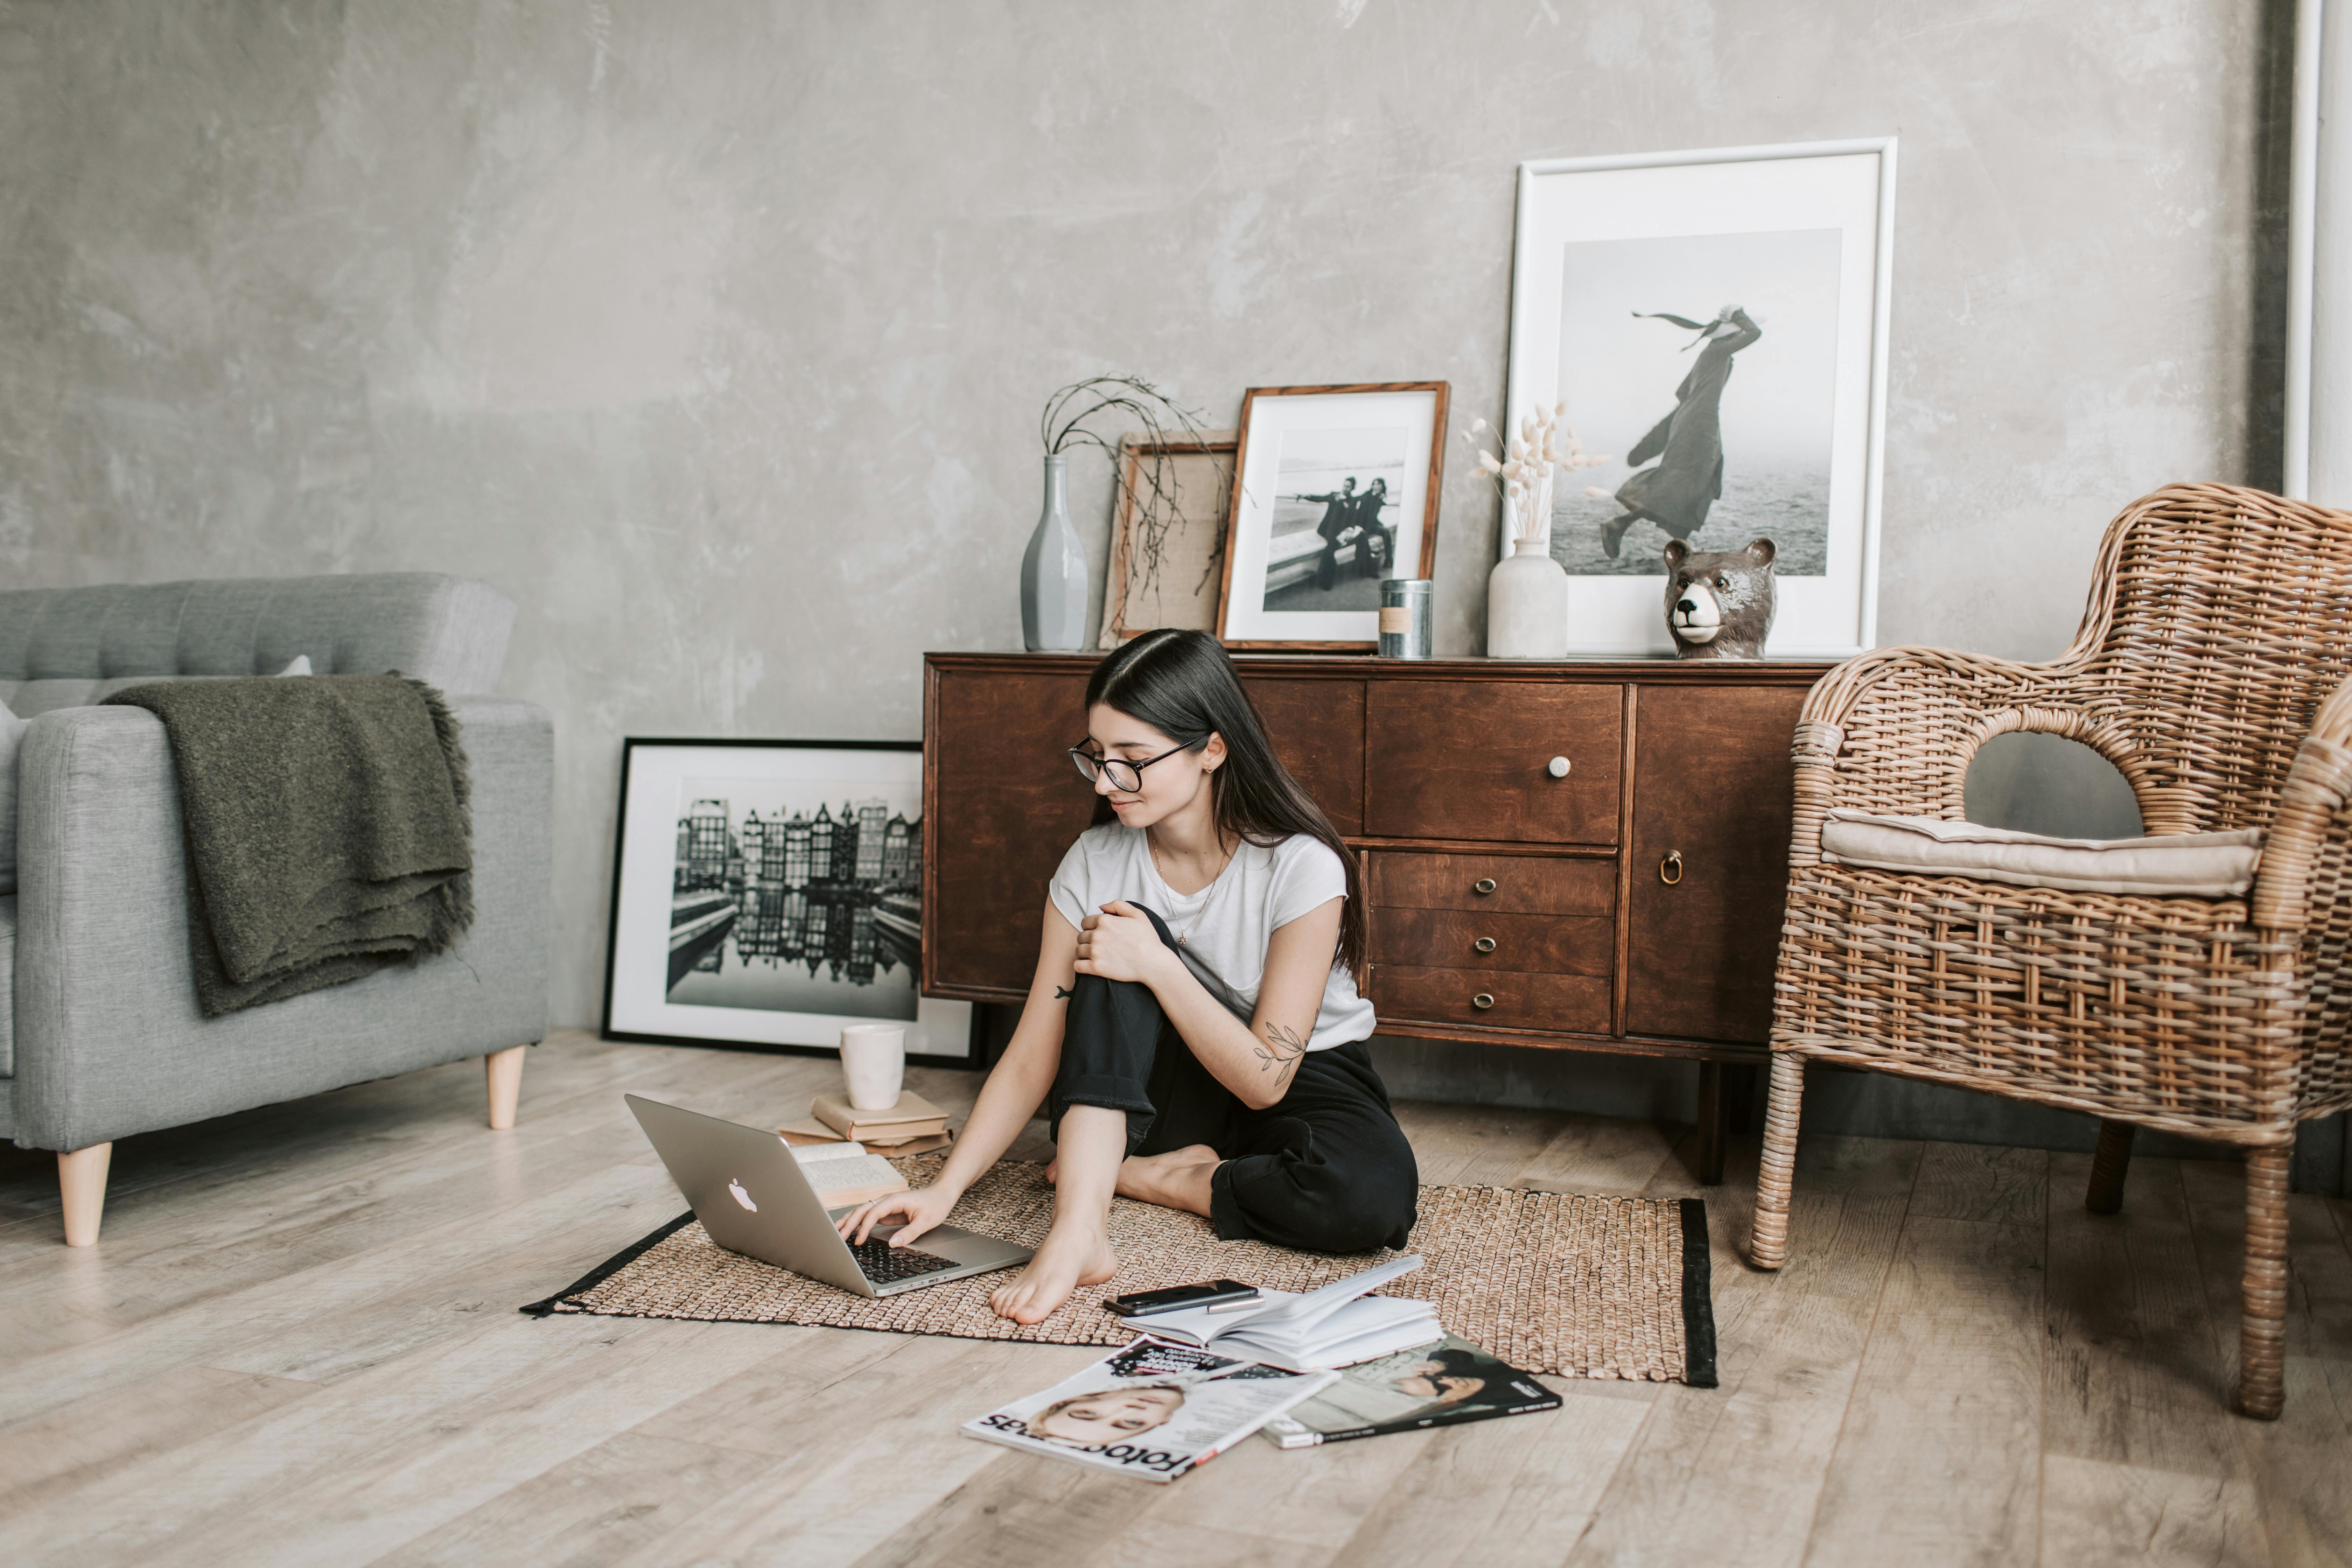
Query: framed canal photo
column 1334, row 489
column 767, row 894
column 1716, row 323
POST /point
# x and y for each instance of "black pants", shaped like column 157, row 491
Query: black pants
column 1326, row 1168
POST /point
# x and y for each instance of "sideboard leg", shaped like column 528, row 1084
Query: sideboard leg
column 1740, row 1090
column 1711, row 1110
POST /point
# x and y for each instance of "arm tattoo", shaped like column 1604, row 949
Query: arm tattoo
column 1282, row 1049
column 1062, row 993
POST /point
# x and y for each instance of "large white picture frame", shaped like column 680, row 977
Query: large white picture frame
column 1611, row 259
column 767, row 893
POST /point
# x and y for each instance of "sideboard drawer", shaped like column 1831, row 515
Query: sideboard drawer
column 1318, row 729
column 1493, row 884
column 1576, row 1004
column 1456, row 759
column 1486, row 940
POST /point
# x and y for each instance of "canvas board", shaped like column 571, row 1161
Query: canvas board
column 1170, row 579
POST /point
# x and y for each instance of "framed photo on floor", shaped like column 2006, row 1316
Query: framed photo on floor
column 1716, row 322
column 1334, row 489
column 768, row 893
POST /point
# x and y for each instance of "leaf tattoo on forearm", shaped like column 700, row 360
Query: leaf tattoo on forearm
column 1282, row 1049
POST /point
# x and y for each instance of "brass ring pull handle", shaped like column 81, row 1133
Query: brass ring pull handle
column 1484, row 1000
column 1482, row 886
column 1484, row 944
column 1669, row 869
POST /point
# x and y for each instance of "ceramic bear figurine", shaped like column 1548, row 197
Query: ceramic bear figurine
column 1719, row 605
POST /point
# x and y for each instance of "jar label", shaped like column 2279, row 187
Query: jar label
column 1396, row 620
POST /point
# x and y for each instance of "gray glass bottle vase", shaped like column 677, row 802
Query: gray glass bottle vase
column 1053, row 572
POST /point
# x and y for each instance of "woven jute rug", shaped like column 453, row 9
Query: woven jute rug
column 1552, row 1282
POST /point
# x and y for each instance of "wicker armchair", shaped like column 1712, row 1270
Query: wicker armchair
column 2210, row 669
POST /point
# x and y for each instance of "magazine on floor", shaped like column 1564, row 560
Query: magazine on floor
column 1334, row 1326
column 1150, row 1410
column 1441, row 1383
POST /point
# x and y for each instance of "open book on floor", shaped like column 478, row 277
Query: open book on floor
column 1438, row 1384
column 1152, row 1411
column 1336, row 1325
column 845, row 1173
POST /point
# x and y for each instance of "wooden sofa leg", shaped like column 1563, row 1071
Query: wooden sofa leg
column 504, row 1071
column 1768, row 1242
column 2261, row 1344
column 2109, row 1165
column 81, row 1183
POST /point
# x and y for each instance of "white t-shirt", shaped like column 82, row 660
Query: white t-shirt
column 1227, row 925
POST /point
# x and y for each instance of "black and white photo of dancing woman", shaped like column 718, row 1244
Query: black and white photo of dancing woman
column 1688, row 444
column 1712, row 458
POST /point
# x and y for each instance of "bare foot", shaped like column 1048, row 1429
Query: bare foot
column 1053, row 1173
column 1176, row 1180
column 1073, row 1254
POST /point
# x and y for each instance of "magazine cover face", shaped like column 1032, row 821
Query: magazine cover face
column 1447, row 1380
column 1150, row 1410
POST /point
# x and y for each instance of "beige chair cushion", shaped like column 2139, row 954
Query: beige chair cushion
column 2184, row 865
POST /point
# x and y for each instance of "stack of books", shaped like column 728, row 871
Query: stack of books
column 913, row 1126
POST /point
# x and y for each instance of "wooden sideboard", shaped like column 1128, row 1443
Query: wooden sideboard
column 1629, row 901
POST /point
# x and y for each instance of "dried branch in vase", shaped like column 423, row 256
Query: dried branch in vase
column 1147, row 485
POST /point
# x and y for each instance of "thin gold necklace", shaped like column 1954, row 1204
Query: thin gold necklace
column 1184, row 937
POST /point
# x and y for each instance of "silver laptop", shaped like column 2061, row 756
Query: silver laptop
column 750, row 1196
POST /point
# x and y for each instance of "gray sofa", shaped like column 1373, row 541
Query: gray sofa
column 102, row 1038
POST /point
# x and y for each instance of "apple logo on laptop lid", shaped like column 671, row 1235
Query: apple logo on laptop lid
column 742, row 1196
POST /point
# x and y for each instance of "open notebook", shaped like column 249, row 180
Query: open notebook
column 1337, row 1325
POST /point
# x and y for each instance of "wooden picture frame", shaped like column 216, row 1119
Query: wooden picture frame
column 710, row 920
column 1181, row 583
column 1282, row 591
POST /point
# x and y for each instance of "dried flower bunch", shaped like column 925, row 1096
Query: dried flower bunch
column 1149, row 484
column 1522, row 468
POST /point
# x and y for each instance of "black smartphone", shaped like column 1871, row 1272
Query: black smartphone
column 1176, row 1298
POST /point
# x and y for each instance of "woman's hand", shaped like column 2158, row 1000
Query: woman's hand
column 917, row 1213
column 1118, row 943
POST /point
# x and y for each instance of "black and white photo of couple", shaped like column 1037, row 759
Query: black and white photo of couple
column 1335, row 518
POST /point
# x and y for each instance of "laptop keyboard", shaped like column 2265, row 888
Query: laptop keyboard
column 881, row 1263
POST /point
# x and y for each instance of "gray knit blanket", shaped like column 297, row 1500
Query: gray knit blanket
column 328, row 828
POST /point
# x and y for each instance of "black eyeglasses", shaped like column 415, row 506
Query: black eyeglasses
column 1125, row 776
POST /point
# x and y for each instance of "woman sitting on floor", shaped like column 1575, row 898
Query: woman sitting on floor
column 1193, row 1029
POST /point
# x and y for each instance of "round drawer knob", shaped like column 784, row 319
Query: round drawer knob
column 1484, row 1000
column 1484, row 944
column 1482, row 886
column 1556, row 767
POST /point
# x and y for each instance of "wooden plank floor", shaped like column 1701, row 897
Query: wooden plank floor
column 296, row 1343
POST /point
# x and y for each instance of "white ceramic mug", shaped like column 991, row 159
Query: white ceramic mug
column 873, row 1061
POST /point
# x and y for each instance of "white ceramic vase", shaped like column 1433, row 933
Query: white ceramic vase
column 1053, row 572
column 1527, row 604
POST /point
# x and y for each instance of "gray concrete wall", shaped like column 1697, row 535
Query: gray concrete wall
column 715, row 333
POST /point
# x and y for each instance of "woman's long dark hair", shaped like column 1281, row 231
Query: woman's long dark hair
column 1182, row 685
